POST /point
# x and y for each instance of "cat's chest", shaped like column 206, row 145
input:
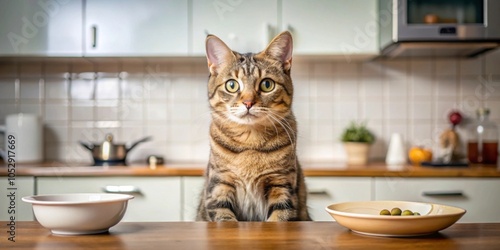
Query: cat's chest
column 251, row 201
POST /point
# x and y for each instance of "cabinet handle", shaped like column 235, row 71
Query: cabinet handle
column 455, row 193
column 127, row 189
column 318, row 192
column 94, row 36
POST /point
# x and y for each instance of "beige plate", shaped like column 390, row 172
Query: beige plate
column 363, row 217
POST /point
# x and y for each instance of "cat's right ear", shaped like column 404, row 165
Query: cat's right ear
column 218, row 54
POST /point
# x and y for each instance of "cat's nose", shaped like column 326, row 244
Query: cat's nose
column 248, row 103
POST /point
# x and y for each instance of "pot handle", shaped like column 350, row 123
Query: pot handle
column 3, row 152
column 145, row 139
column 86, row 145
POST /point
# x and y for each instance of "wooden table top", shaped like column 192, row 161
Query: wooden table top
column 310, row 169
column 247, row 235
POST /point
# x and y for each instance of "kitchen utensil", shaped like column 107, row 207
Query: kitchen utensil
column 80, row 213
column 23, row 138
column 109, row 153
column 154, row 160
column 396, row 154
column 364, row 217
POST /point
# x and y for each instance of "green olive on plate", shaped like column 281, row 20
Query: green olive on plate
column 397, row 212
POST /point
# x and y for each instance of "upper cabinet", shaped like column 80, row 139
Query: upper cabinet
column 245, row 26
column 347, row 28
column 136, row 28
column 163, row 28
column 41, row 28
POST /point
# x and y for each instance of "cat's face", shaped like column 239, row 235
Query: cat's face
column 250, row 88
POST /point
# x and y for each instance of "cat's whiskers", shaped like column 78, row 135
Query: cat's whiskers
column 272, row 123
column 281, row 118
column 271, row 115
column 284, row 128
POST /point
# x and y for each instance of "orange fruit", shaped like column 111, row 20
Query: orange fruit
column 417, row 155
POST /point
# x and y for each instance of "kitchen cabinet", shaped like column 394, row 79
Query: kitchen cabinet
column 339, row 27
column 24, row 186
column 152, row 28
column 155, row 198
column 479, row 196
column 191, row 191
column 245, row 26
column 41, row 28
column 136, row 28
column 324, row 191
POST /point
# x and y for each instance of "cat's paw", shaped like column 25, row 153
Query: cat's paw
column 226, row 218
column 273, row 217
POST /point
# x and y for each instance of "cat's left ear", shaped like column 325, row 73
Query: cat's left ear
column 281, row 48
column 218, row 53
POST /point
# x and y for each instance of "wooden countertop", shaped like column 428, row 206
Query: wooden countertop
column 313, row 169
column 247, row 235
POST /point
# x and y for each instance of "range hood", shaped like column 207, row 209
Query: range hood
column 438, row 49
column 429, row 28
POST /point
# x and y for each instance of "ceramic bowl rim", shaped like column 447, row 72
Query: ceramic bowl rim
column 460, row 211
column 34, row 199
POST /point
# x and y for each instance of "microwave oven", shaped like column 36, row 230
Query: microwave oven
column 436, row 28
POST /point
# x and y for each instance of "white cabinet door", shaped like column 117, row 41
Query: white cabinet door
column 12, row 205
column 324, row 191
column 136, row 28
column 191, row 191
column 340, row 27
column 156, row 199
column 40, row 28
column 245, row 26
column 479, row 196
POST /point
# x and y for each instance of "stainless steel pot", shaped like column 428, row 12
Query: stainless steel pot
column 108, row 153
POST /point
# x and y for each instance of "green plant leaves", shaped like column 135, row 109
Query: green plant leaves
column 358, row 132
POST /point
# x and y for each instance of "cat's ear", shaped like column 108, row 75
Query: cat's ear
column 281, row 48
column 218, row 53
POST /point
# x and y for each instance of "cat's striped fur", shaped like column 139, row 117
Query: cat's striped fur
column 253, row 173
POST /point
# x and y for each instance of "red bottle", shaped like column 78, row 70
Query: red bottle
column 482, row 146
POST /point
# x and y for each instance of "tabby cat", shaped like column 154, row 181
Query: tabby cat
column 253, row 173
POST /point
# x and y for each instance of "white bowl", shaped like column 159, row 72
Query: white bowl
column 363, row 217
column 82, row 213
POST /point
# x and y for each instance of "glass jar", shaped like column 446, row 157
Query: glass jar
column 482, row 145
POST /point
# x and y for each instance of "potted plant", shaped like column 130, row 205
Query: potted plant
column 357, row 139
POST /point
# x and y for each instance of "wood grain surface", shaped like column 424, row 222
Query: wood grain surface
column 248, row 235
column 310, row 169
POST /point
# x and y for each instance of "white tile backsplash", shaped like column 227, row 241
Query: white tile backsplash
column 8, row 87
column 82, row 110
column 31, row 108
column 471, row 66
column 56, row 88
column 131, row 110
column 107, row 89
column 133, row 98
column 82, row 89
column 30, row 88
column 56, row 112
column 446, row 67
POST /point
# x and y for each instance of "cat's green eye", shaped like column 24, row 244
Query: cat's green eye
column 232, row 86
column 267, row 85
